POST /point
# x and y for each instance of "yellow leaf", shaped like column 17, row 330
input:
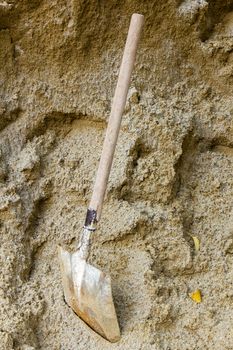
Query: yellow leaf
column 196, row 296
column 196, row 243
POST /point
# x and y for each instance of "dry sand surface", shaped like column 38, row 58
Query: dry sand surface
column 171, row 178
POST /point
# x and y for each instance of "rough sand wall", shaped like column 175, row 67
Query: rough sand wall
column 171, row 178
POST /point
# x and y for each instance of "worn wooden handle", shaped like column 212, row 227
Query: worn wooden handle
column 117, row 109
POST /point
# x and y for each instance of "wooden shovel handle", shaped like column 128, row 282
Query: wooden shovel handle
column 117, row 109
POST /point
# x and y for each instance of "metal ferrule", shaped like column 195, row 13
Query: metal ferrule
column 85, row 238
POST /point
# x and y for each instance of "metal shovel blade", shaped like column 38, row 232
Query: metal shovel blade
column 88, row 291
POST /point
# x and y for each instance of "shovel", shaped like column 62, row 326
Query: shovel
column 87, row 289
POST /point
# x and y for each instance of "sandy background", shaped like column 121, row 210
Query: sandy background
column 171, row 178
